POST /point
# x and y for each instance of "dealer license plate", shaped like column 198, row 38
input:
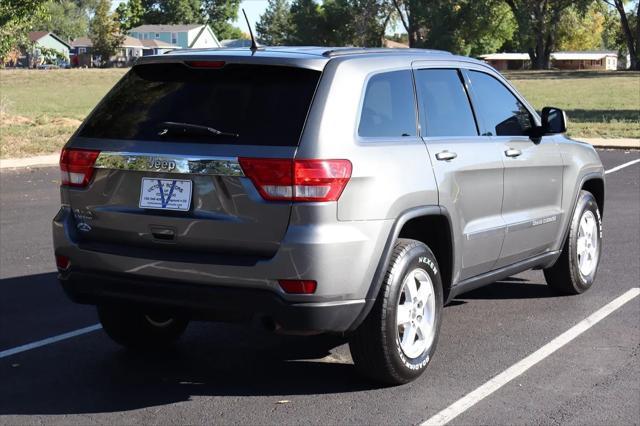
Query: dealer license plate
column 165, row 194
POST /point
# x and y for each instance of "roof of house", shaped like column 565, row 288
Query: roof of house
column 584, row 56
column 164, row 28
column 34, row 36
column 37, row 35
column 558, row 56
column 127, row 42
column 158, row 44
column 131, row 42
column 394, row 44
column 506, row 57
column 81, row 42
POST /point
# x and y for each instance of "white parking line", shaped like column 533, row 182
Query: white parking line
column 49, row 340
column 472, row 398
column 622, row 166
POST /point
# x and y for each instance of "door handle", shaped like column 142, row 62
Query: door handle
column 446, row 155
column 512, row 152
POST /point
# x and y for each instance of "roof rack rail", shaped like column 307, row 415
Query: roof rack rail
column 364, row 50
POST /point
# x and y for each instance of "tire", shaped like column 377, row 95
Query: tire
column 575, row 270
column 378, row 347
column 138, row 330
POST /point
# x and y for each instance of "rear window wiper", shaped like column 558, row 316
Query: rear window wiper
column 188, row 128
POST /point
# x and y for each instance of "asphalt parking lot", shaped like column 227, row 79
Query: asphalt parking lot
column 222, row 373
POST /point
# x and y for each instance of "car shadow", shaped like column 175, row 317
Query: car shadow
column 603, row 115
column 510, row 288
column 91, row 374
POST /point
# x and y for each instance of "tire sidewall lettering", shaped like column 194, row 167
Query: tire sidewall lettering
column 426, row 262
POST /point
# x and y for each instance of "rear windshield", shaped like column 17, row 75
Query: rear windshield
column 249, row 104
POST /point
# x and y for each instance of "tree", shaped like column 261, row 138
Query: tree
column 275, row 26
column 65, row 18
column 482, row 26
column 16, row 18
column 172, row 12
column 130, row 14
column 220, row 14
column 538, row 25
column 356, row 22
column 408, row 15
column 630, row 25
column 105, row 32
column 307, row 24
column 578, row 31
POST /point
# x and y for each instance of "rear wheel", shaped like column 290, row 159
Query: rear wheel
column 396, row 341
column 575, row 270
column 136, row 329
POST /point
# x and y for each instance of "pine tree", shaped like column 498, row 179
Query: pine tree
column 105, row 32
column 274, row 27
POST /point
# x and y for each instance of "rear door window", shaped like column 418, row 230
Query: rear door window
column 388, row 109
column 263, row 105
column 444, row 105
column 501, row 112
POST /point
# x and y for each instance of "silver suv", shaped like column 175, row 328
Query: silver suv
column 316, row 190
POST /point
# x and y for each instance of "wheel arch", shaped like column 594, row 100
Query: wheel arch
column 428, row 224
column 595, row 185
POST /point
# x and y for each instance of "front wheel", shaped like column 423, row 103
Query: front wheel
column 575, row 270
column 396, row 341
column 140, row 330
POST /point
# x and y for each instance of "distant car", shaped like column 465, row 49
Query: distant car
column 316, row 190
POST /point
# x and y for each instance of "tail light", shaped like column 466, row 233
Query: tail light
column 76, row 166
column 206, row 64
column 298, row 286
column 297, row 180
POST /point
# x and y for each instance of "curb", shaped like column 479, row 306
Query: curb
column 40, row 160
column 53, row 159
column 626, row 143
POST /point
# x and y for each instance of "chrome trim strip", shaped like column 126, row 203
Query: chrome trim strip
column 512, row 227
column 530, row 223
column 486, row 233
column 177, row 164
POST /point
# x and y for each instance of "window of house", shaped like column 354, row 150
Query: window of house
column 82, row 50
column 500, row 111
column 443, row 103
column 157, row 35
column 174, row 38
column 388, row 109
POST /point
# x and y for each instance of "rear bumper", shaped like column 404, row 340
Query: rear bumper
column 213, row 303
column 340, row 256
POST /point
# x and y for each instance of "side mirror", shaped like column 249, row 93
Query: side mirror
column 554, row 120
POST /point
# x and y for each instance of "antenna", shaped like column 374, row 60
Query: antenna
column 254, row 45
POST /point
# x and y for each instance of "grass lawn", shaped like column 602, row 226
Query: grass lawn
column 40, row 109
column 598, row 104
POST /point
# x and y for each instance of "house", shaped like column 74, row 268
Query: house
column 235, row 43
column 394, row 44
column 46, row 47
column 82, row 54
column 560, row 60
column 157, row 47
column 190, row 36
column 508, row 61
column 603, row 60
